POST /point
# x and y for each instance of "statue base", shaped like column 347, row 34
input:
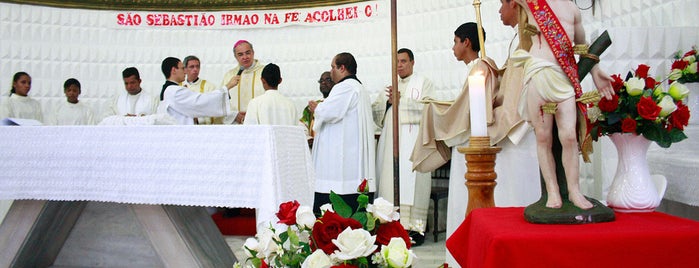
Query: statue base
column 568, row 213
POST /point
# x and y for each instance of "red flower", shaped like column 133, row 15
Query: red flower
column 287, row 212
column 628, row 125
column 327, row 228
column 609, row 105
column 344, row 265
column 618, row 83
column 680, row 117
column 650, row 82
column 386, row 231
column 263, row 264
column 680, row 64
column 690, row 53
column 648, row 109
column 642, row 71
column 363, row 187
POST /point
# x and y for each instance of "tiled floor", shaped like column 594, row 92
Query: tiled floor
column 429, row 255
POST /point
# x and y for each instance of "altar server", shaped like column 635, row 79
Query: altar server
column 271, row 108
column 344, row 149
column 184, row 105
column 19, row 104
column 72, row 112
column 134, row 101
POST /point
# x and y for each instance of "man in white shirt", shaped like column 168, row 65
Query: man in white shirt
column 344, row 149
column 415, row 186
column 271, row 108
column 184, row 105
column 247, row 81
column 134, row 101
column 192, row 67
column 72, row 112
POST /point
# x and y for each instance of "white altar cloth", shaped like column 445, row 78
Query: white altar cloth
column 228, row 166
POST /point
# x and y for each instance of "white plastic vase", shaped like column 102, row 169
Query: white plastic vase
column 633, row 188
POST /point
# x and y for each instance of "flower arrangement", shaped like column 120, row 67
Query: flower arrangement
column 371, row 236
column 684, row 68
column 641, row 106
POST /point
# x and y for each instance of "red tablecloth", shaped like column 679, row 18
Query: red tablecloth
column 500, row 237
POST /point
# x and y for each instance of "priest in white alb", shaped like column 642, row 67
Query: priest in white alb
column 344, row 149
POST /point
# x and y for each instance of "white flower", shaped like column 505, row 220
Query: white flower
column 668, row 106
column 675, row 74
column 267, row 243
column 383, row 210
column 635, row 85
column 678, row 91
column 689, row 59
column 251, row 244
column 326, row 207
column 317, row 259
column 353, row 244
column 594, row 114
column 692, row 69
column 396, row 253
column 305, row 217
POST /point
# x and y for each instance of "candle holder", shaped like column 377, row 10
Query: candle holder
column 480, row 172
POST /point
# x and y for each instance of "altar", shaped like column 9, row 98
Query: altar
column 166, row 174
column 500, row 237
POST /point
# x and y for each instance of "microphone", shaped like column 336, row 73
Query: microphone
column 240, row 71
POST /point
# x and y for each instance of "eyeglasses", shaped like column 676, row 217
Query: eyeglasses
column 329, row 80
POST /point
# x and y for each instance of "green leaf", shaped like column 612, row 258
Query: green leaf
column 361, row 217
column 363, row 201
column 339, row 205
column 293, row 237
column 371, row 222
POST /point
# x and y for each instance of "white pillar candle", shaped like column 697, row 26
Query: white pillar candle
column 476, row 90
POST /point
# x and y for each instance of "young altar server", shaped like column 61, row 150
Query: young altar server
column 133, row 101
column 72, row 112
column 184, row 105
column 271, row 108
column 19, row 104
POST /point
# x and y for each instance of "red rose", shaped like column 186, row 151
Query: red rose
column 648, row 109
column 642, row 71
column 680, row 64
column 263, row 264
column 609, row 105
column 327, row 228
column 618, row 83
column 287, row 212
column 363, row 187
column 386, row 231
column 680, row 117
column 650, row 82
column 344, row 265
column 690, row 53
column 628, row 125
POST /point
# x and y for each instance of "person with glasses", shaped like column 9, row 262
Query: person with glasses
column 247, row 81
column 325, row 84
column 414, row 186
column 184, row 105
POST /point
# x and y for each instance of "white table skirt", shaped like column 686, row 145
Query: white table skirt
column 229, row 166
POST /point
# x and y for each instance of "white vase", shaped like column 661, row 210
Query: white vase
column 692, row 102
column 633, row 188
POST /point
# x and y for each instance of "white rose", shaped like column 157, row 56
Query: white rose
column 678, row 91
column 675, row 74
column 383, row 210
column 396, row 253
column 317, row 259
column 353, row 244
column 267, row 243
column 251, row 244
column 635, row 85
column 326, row 207
column 689, row 59
column 668, row 106
column 305, row 217
column 692, row 69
